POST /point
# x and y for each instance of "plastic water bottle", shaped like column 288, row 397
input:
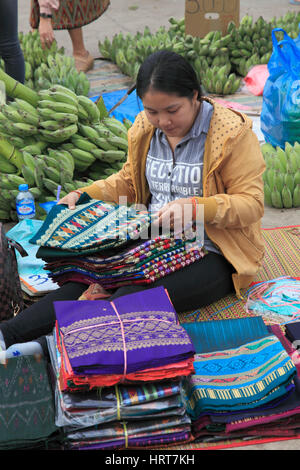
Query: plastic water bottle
column 25, row 203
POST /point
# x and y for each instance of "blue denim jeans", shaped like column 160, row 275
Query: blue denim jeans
column 10, row 50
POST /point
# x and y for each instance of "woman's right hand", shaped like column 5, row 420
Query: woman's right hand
column 70, row 199
column 46, row 32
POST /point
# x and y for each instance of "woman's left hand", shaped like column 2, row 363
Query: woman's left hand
column 46, row 32
column 177, row 215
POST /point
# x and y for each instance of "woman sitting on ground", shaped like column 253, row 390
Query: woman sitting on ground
column 183, row 148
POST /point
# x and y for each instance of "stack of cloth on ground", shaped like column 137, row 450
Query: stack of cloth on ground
column 119, row 367
column 91, row 227
column 143, row 263
column 245, row 384
column 108, row 244
column 27, row 413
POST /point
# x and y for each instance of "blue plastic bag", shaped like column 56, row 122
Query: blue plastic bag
column 280, row 116
column 129, row 109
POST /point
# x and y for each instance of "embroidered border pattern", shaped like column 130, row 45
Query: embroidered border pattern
column 142, row 330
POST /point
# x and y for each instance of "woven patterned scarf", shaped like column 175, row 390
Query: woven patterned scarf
column 93, row 225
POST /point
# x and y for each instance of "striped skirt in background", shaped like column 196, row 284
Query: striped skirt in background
column 71, row 13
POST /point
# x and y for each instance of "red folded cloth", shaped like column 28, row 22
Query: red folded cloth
column 68, row 381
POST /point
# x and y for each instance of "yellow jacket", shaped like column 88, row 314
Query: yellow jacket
column 232, row 186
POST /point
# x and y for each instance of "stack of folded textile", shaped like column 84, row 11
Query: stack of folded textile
column 142, row 264
column 245, row 383
column 119, row 367
column 113, row 417
column 91, row 227
column 27, row 414
column 108, row 244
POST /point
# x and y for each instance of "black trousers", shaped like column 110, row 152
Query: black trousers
column 10, row 50
column 197, row 285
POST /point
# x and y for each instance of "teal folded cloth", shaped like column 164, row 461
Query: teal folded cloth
column 93, row 225
column 252, row 369
column 27, row 413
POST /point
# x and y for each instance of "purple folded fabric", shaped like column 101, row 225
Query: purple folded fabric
column 145, row 442
column 135, row 332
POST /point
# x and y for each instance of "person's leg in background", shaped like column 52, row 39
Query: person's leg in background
column 10, row 50
column 83, row 60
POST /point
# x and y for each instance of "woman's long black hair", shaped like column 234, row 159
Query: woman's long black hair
column 167, row 72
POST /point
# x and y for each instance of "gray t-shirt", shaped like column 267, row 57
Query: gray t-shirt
column 174, row 176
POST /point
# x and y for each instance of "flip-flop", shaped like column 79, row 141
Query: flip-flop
column 84, row 63
column 294, row 2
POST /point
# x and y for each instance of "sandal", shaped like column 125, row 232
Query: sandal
column 295, row 2
column 83, row 64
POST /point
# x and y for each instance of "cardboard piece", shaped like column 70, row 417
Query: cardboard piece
column 203, row 16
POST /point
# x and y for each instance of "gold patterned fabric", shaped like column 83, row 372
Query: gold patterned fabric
column 71, row 13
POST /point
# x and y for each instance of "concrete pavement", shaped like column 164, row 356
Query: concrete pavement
column 132, row 16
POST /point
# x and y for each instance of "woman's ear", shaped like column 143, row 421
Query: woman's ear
column 195, row 96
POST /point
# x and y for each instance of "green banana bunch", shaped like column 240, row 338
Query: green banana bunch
column 243, row 47
column 34, row 148
column 28, row 175
column 62, row 123
column 32, row 49
column 6, row 166
column 65, row 158
column 19, row 119
column 90, row 108
column 47, row 114
column 219, row 80
column 60, row 69
column 90, row 133
column 82, row 159
column 108, row 135
column 82, row 143
column 59, row 135
column 11, row 181
column 29, row 161
column 109, row 155
column 115, row 126
column 282, row 175
column 45, row 173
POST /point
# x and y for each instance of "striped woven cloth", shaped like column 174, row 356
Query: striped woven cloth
column 248, row 375
column 71, row 13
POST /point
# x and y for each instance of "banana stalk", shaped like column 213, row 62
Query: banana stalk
column 15, row 89
column 8, row 151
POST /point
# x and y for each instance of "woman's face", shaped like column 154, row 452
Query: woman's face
column 171, row 113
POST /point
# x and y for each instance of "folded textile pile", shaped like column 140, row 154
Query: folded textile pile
column 121, row 416
column 130, row 435
column 119, row 367
column 27, row 414
column 108, row 244
column 99, row 340
column 92, row 226
column 244, row 379
column 143, row 263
